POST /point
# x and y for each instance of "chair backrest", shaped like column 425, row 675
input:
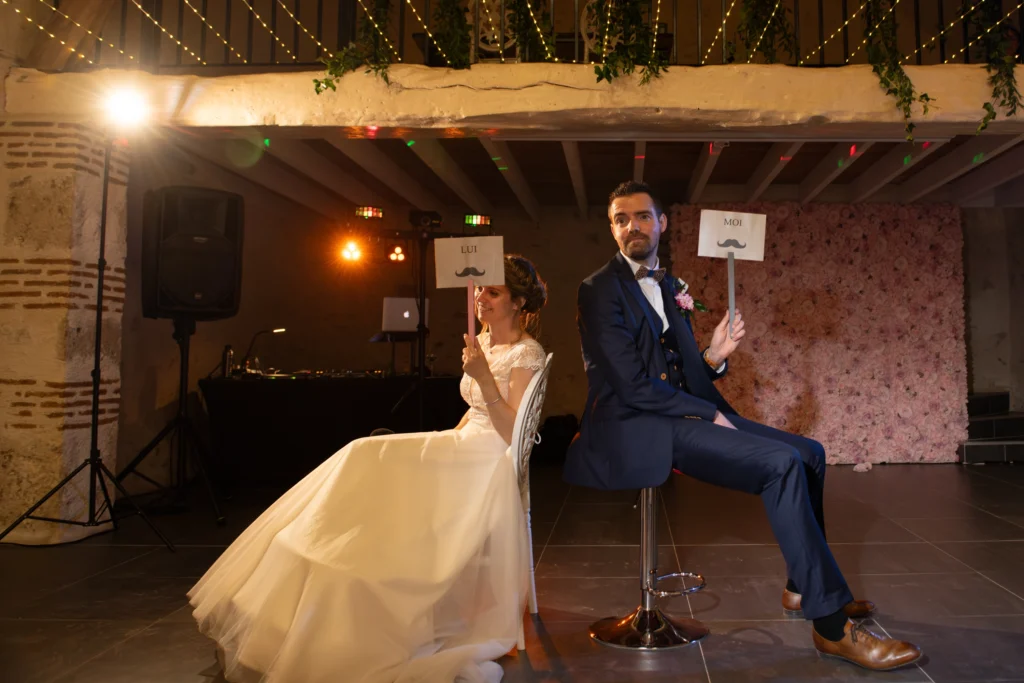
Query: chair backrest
column 524, row 431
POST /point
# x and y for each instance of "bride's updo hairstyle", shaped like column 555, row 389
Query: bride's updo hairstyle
column 525, row 283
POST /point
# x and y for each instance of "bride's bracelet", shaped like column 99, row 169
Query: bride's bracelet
column 491, row 403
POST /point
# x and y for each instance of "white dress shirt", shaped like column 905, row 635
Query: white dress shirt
column 652, row 290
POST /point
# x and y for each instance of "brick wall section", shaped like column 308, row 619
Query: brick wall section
column 50, row 201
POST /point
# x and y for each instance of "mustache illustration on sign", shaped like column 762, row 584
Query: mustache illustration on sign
column 470, row 271
column 732, row 243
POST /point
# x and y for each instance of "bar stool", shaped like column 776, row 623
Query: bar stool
column 647, row 627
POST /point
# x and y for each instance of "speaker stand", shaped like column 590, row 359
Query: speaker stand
column 182, row 429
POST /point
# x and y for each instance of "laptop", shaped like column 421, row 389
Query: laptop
column 401, row 314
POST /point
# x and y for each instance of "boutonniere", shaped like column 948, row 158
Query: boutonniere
column 684, row 302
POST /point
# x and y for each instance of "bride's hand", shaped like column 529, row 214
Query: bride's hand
column 474, row 363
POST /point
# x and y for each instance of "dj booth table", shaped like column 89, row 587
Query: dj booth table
column 276, row 430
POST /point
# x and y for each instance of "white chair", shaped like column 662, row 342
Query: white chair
column 524, row 437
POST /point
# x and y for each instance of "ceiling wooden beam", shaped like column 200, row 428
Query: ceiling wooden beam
column 891, row 166
column 964, row 158
column 303, row 158
column 842, row 156
column 507, row 164
column 639, row 156
column 376, row 163
column 571, row 149
column 430, row 152
column 990, row 176
column 275, row 178
column 780, row 154
column 50, row 55
column 709, row 154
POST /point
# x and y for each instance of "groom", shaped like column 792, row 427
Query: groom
column 652, row 406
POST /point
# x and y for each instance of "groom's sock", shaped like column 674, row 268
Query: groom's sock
column 832, row 627
column 790, row 586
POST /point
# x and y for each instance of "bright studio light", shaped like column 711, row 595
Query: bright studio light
column 351, row 252
column 397, row 254
column 126, row 108
column 278, row 330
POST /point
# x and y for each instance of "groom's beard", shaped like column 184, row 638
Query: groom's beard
column 638, row 247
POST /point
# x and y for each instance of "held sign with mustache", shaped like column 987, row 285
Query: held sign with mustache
column 469, row 262
column 725, row 231
column 731, row 235
column 459, row 259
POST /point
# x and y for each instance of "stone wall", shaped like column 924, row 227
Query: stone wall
column 50, row 199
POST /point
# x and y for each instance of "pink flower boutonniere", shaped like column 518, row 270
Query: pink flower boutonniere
column 684, row 302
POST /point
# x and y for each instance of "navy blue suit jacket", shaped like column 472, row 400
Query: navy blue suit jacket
column 625, row 437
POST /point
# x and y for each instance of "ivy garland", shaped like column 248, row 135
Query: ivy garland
column 764, row 27
column 1000, row 47
column 371, row 50
column 452, row 32
column 635, row 46
column 531, row 46
column 886, row 60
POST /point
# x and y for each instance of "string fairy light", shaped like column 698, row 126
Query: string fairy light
column 721, row 29
column 268, row 29
column 300, row 25
column 170, row 35
column 379, row 31
column 942, row 32
column 431, row 35
column 767, row 24
column 872, row 31
column 215, row 32
column 834, row 34
column 607, row 23
column 494, row 32
column 43, row 29
column 657, row 15
column 979, row 37
column 94, row 35
column 543, row 40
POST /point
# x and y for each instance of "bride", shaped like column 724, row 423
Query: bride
column 401, row 558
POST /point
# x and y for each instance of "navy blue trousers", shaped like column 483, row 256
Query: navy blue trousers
column 788, row 472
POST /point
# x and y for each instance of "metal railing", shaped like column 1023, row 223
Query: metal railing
column 193, row 35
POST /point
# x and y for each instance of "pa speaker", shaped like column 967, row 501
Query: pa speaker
column 191, row 253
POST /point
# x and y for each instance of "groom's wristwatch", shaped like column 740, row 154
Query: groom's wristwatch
column 707, row 359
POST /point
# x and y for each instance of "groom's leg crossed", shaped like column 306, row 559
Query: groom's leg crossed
column 775, row 471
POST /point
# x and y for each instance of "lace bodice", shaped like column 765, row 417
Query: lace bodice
column 527, row 353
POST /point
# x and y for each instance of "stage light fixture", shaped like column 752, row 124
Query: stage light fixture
column 351, row 251
column 126, row 108
column 369, row 212
column 397, row 253
column 477, row 219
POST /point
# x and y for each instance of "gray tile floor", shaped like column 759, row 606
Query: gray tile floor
column 940, row 548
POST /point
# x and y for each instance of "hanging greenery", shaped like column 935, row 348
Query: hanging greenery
column 765, row 28
column 371, row 49
column 886, row 60
column 452, row 32
column 635, row 45
column 998, row 45
column 531, row 46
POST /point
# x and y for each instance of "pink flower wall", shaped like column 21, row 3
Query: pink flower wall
column 855, row 326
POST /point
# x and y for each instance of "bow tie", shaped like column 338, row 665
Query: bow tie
column 643, row 271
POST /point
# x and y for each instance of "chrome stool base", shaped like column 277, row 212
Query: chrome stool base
column 648, row 630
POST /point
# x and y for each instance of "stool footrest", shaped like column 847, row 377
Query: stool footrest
column 647, row 630
column 680, row 593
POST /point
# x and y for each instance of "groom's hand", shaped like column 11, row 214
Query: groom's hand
column 722, row 345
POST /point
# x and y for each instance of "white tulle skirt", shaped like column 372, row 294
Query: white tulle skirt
column 401, row 558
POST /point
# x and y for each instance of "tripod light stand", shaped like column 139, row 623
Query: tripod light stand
column 124, row 108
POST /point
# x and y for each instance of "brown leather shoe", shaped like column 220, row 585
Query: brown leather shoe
column 869, row 650
column 858, row 609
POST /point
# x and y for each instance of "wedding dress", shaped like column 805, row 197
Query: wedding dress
column 400, row 559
